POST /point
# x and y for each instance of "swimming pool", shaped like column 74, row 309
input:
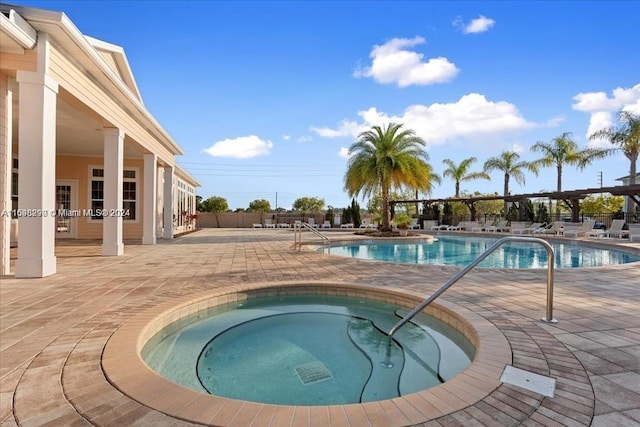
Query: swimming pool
column 462, row 250
column 307, row 350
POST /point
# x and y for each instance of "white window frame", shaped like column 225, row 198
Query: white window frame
column 134, row 169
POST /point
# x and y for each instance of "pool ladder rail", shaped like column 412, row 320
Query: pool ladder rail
column 299, row 227
column 549, row 310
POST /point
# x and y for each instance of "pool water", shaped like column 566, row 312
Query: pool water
column 307, row 350
column 462, row 250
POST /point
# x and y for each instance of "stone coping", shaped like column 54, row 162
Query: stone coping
column 125, row 369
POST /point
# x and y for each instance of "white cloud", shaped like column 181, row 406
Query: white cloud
column 393, row 63
column 244, row 147
column 472, row 116
column 344, row 152
column 346, row 127
column 286, row 137
column 517, row 148
column 304, row 138
column 476, row 26
column 603, row 108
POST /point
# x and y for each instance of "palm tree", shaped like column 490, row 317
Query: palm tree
column 384, row 158
column 563, row 150
column 508, row 163
column 626, row 134
column 461, row 173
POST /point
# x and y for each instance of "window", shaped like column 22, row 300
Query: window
column 129, row 192
column 14, row 184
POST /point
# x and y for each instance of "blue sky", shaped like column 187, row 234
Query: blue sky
column 265, row 97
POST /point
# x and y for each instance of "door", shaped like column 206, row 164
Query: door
column 66, row 210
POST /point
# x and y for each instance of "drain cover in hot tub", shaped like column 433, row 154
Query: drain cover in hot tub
column 312, row 372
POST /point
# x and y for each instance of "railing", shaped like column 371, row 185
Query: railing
column 550, row 265
column 298, row 227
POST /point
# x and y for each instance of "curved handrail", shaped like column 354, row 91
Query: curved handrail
column 550, row 265
column 297, row 234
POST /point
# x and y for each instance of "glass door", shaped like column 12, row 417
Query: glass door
column 65, row 205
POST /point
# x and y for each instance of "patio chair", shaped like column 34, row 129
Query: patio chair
column 477, row 226
column 518, row 226
column 459, row 226
column 527, row 230
column 312, row 222
column 268, row 223
column 579, row 229
column 414, row 224
column 554, row 228
column 616, row 229
column 502, row 225
column 257, row 225
column 634, row 232
column 326, row 224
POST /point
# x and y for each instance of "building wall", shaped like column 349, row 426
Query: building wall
column 77, row 169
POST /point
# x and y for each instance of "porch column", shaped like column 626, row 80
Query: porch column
column 159, row 200
column 37, row 176
column 113, row 168
column 167, row 202
column 150, row 200
column 7, row 87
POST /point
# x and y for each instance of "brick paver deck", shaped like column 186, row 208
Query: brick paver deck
column 53, row 332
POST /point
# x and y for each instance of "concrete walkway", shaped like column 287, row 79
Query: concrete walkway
column 53, row 330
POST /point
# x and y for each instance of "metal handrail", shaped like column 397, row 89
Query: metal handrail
column 550, row 265
column 297, row 234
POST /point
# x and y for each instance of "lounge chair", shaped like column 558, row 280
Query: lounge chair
column 456, row 227
column 634, row 232
column 527, row 230
column 502, row 225
column 616, row 229
column 269, row 224
column 257, row 225
column 577, row 229
column 414, row 224
column 477, row 226
column 284, row 225
column 519, row 227
column 553, row 229
column 347, row 225
column 430, row 224
column 312, row 222
column 326, row 224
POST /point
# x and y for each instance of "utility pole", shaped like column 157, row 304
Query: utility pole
column 600, row 178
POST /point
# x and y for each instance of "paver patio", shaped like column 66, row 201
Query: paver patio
column 53, row 332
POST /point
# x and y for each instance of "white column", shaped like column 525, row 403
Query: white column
column 167, row 199
column 150, row 199
column 37, row 176
column 113, row 165
column 159, row 200
column 7, row 87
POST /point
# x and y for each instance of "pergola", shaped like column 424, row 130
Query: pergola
column 571, row 198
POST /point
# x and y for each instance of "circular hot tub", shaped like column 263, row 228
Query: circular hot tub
column 255, row 342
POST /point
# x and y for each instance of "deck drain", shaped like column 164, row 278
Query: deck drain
column 546, row 386
column 312, row 372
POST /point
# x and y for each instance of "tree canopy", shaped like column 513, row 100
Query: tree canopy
column 384, row 158
column 308, row 204
column 259, row 205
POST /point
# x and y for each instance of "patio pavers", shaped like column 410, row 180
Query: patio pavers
column 53, row 331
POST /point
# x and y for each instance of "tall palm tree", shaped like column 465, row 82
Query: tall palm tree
column 384, row 158
column 626, row 134
column 461, row 172
column 563, row 150
column 508, row 163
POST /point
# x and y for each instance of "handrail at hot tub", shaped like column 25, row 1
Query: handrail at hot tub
column 550, row 265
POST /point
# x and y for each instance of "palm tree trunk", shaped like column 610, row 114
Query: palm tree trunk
column 558, row 189
column 506, row 193
column 386, row 226
column 632, row 181
column 457, row 188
